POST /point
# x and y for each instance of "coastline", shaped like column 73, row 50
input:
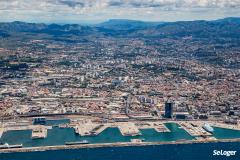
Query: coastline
column 119, row 144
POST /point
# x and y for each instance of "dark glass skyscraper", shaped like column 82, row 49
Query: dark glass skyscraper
column 169, row 109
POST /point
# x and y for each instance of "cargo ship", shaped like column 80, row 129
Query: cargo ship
column 208, row 128
column 76, row 143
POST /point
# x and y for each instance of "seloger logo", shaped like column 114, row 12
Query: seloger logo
column 224, row 153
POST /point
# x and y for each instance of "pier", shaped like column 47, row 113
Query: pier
column 100, row 128
column 87, row 128
column 194, row 129
column 158, row 126
column 227, row 126
column 19, row 128
column 39, row 132
column 128, row 129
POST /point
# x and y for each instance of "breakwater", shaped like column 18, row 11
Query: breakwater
column 118, row 144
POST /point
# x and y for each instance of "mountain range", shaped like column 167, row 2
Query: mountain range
column 223, row 28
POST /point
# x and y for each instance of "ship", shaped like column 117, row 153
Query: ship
column 7, row 146
column 208, row 128
column 76, row 143
column 181, row 140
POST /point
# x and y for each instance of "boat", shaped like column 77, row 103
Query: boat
column 76, row 143
column 208, row 128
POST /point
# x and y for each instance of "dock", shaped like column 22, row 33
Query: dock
column 161, row 128
column 39, row 132
column 158, row 126
column 85, row 128
column 19, row 128
column 194, row 129
column 128, row 129
column 99, row 129
column 226, row 126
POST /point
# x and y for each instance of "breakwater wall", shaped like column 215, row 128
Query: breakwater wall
column 61, row 147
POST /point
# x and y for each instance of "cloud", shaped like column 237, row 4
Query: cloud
column 71, row 3
column 126, row 3
column 175, row 3
column 66, row 10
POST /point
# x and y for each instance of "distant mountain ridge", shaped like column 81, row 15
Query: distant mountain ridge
column 125, row 24
column 228, row 27
column 44, row 28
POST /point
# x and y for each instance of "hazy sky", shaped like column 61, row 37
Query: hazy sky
column 94, row 11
